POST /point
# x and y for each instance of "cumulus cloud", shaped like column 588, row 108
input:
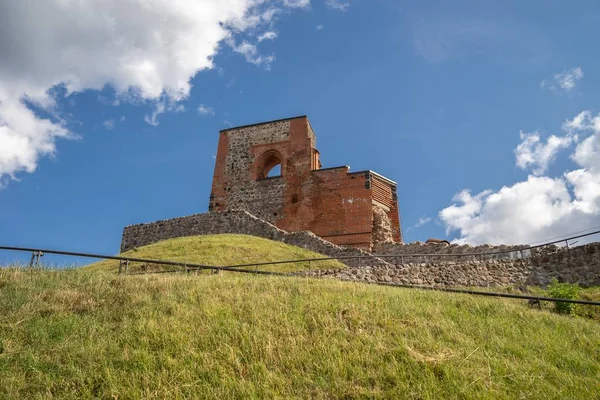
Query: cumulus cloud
column 540, row 207
column 147, row 52
column 339, row 5
column 205, row 110
column 536, row 154
column 564, row 81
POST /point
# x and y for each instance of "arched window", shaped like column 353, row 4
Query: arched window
column 275, row 171
column 269, row 165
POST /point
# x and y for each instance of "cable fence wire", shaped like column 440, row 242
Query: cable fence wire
column 253, row 268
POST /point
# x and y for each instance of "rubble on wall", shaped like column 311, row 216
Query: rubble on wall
column 382, row 226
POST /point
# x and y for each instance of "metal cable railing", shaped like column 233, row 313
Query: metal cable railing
column 240, row 268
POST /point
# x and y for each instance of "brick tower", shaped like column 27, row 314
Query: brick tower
column 353, row 209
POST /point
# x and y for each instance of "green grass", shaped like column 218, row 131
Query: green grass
column 221, row 250
column 92, row 334
column 582, row 310
column 585, row 293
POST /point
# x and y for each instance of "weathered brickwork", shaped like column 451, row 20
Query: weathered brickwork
column 333, row 203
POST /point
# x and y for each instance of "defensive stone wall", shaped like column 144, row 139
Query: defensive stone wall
column 234, row 221
column 579, row 265
column 450, row 265
column 483, row 252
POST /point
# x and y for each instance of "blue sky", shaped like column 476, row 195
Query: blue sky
column 109, row 114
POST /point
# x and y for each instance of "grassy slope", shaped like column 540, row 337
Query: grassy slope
column 227, row 249
column 589, row 294
column 82, row 334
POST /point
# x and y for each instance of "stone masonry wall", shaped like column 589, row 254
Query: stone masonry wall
column 241, row 190
column 333, row 203
column 496, row 252
column 580, row 264
column 233, row 221
column 577, row 265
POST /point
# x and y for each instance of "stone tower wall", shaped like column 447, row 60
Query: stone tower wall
column 333, row 203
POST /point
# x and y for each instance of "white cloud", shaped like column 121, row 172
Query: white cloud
column 153, row 118
column 339, row 5
column 24, row 138
column 160, row 107
column 541, row 207
column 565, row 80
column 319, row 27
column 269, row 35
column 296, row 3
column 109, row 124
column 420, row 222
column 205, row 110
column 146, row 51
column 583, row 122
column 250, row 52
column 532, row 152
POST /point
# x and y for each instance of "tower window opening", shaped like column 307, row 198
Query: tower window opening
column 269, row 165
column 275, row 171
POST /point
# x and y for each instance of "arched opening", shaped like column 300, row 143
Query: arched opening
column 275, row 171
column 269, row 165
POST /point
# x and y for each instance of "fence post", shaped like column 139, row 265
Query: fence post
column 126, row 266
column 35, row 258
column 120, row 266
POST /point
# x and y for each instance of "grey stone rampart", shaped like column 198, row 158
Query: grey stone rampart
column 238, row 222
column 579, row 265
column 464, row 251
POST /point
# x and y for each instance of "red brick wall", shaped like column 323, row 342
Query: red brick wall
column 384, row 193
column 332, row 203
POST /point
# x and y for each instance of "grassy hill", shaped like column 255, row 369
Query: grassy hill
column 225, row 249
column 92, row 334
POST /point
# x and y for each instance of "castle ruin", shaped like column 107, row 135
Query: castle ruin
column 346, row 214
column 346, row 208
